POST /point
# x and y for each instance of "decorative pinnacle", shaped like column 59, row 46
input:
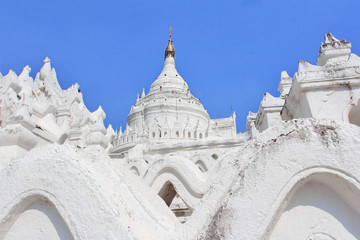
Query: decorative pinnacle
column 143, row 93
column 170, row 50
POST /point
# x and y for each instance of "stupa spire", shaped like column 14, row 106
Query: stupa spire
column 170, row 50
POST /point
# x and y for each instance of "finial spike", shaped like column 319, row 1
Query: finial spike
column 170, row 29
column 170, row 50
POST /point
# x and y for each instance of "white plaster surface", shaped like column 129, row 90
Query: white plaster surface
column 320, row 156
column 316, row 208
column 41, row 221
column 294, row 174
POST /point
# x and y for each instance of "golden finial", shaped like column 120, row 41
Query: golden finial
column 170, row 50
column 170, row 29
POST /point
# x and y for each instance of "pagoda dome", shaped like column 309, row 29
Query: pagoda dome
column 169, row 105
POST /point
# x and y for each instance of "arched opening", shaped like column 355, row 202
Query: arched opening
column 153, row 134
column 165, row 133
column 167, row 193
column 194, row 134
column 177, row 134
column 189, row 134
column 172, row 199
column 200, row 136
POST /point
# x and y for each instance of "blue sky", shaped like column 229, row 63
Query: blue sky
column 229, row 52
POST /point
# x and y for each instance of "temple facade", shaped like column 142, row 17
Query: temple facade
column 169, row 137
column 175, row 173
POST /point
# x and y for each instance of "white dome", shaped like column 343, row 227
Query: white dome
column 169, row 109
column 169, row 112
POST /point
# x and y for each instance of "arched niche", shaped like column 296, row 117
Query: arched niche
column 320, row 205
column 135, row 170
column 201, row 165
column 36, row 218
column 186, row 178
